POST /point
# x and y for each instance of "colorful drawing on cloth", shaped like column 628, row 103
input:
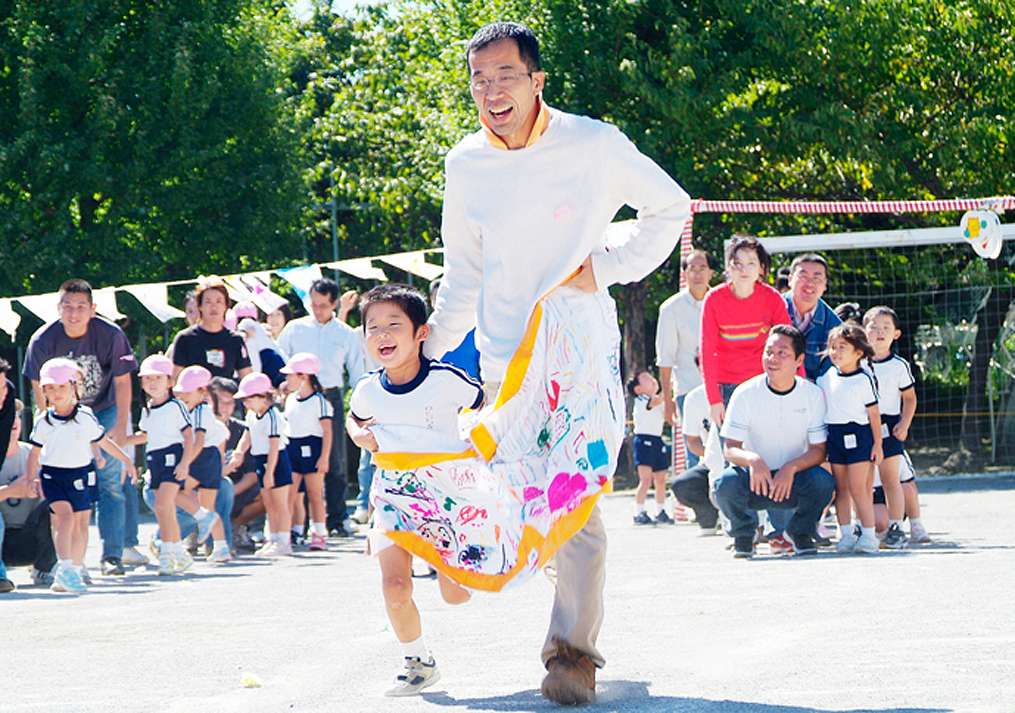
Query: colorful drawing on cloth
column 491, row 514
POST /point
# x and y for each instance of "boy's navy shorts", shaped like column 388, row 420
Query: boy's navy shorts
column 283, row 469
column 161, row 464
column 651, row 451
column 207, row 468
column 72, row 485
column 304, row 453
column 849, row 443
column 891, row 445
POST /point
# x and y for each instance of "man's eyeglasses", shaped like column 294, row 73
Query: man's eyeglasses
column 481, row 84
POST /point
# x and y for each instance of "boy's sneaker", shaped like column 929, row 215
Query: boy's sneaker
column 416, row 676
column 866, row 545
column 296, row 538
column 361, row 516
column 894, row 539
column 642, row 518
column 183, row 562
column 166, row 564
column 68, row 580
column 204, row 526
column 83, row 573
column 44, row 578
column 133, row 558
column 743, row 547
column 220, row 554
column 803, row 544
column 317, row 542
column 663, row 519
column 779, row 545
column 845, row 544
column 918, row 533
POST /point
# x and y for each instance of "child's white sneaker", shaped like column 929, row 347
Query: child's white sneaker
column 166, row 564
column 414, row 678
column 845, row 544
column 866, row 545
column 220, row 554
column 68, row 580
column 181, row 563
column 918, row 533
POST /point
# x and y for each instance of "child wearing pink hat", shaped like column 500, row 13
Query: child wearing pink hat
column 308, row 430
column 265, row 437
column 65, row 445
column 166, row 432
column 192, row 389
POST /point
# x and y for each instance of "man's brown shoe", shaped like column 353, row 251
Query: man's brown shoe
column 570, row 677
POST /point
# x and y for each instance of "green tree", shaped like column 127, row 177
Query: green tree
column 142, row 141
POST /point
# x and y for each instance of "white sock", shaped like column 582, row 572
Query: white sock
column 914, row 522
column 219, row 545
column 298, row 529
column 202, row 512
column 866, row 531
column 416, row 648
column 285, row 538
column 846, row 530
column 660, row 507
column 65, row 565
column 894, row 522
column 318, row 528
column 639, row 508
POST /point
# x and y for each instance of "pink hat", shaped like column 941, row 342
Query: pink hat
column 58, row 371
column 253, row 384
column 302, row 363
column 245, row 309
column 155, row 365
column 191, row 379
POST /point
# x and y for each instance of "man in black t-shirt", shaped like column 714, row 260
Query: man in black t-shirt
column 208, row 343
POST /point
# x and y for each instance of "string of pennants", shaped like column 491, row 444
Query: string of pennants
column 252, row 287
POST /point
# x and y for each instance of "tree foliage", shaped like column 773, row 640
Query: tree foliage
column 141, row 141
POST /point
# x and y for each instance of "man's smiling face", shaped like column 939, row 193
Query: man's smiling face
column 510, row 111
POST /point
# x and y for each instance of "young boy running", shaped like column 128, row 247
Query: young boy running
column 410, row 391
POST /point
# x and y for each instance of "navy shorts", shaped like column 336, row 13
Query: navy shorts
column 304, row 453
column 651, row 451
column 72, row 485
column 849, row 443
column 207, row 468
column 161, row 464
column 891, row 445
column 283, row 469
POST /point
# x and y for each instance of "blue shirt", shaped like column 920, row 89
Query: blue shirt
column 824, row 320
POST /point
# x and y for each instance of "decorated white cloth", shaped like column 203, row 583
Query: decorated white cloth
column 490, row 512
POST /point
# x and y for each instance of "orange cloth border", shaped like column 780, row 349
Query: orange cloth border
column 531, row 540
column 542, row 121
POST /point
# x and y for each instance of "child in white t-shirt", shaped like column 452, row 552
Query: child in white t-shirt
column 651, row 455
column 897, row 403
column 65, row 443
column 406, row 390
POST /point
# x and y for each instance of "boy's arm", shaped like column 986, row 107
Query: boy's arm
column 901, row 430
column 359, row 432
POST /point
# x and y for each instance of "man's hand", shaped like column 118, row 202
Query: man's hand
column 669, row 409
column 782, row 484
column 345, row 304
column 761, row 479
column 584, row 279
column 18, row 488
column 717, row 413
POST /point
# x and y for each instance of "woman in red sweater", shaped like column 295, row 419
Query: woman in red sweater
column 735, row 320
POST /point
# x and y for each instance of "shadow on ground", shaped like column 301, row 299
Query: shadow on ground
column 635, row 696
